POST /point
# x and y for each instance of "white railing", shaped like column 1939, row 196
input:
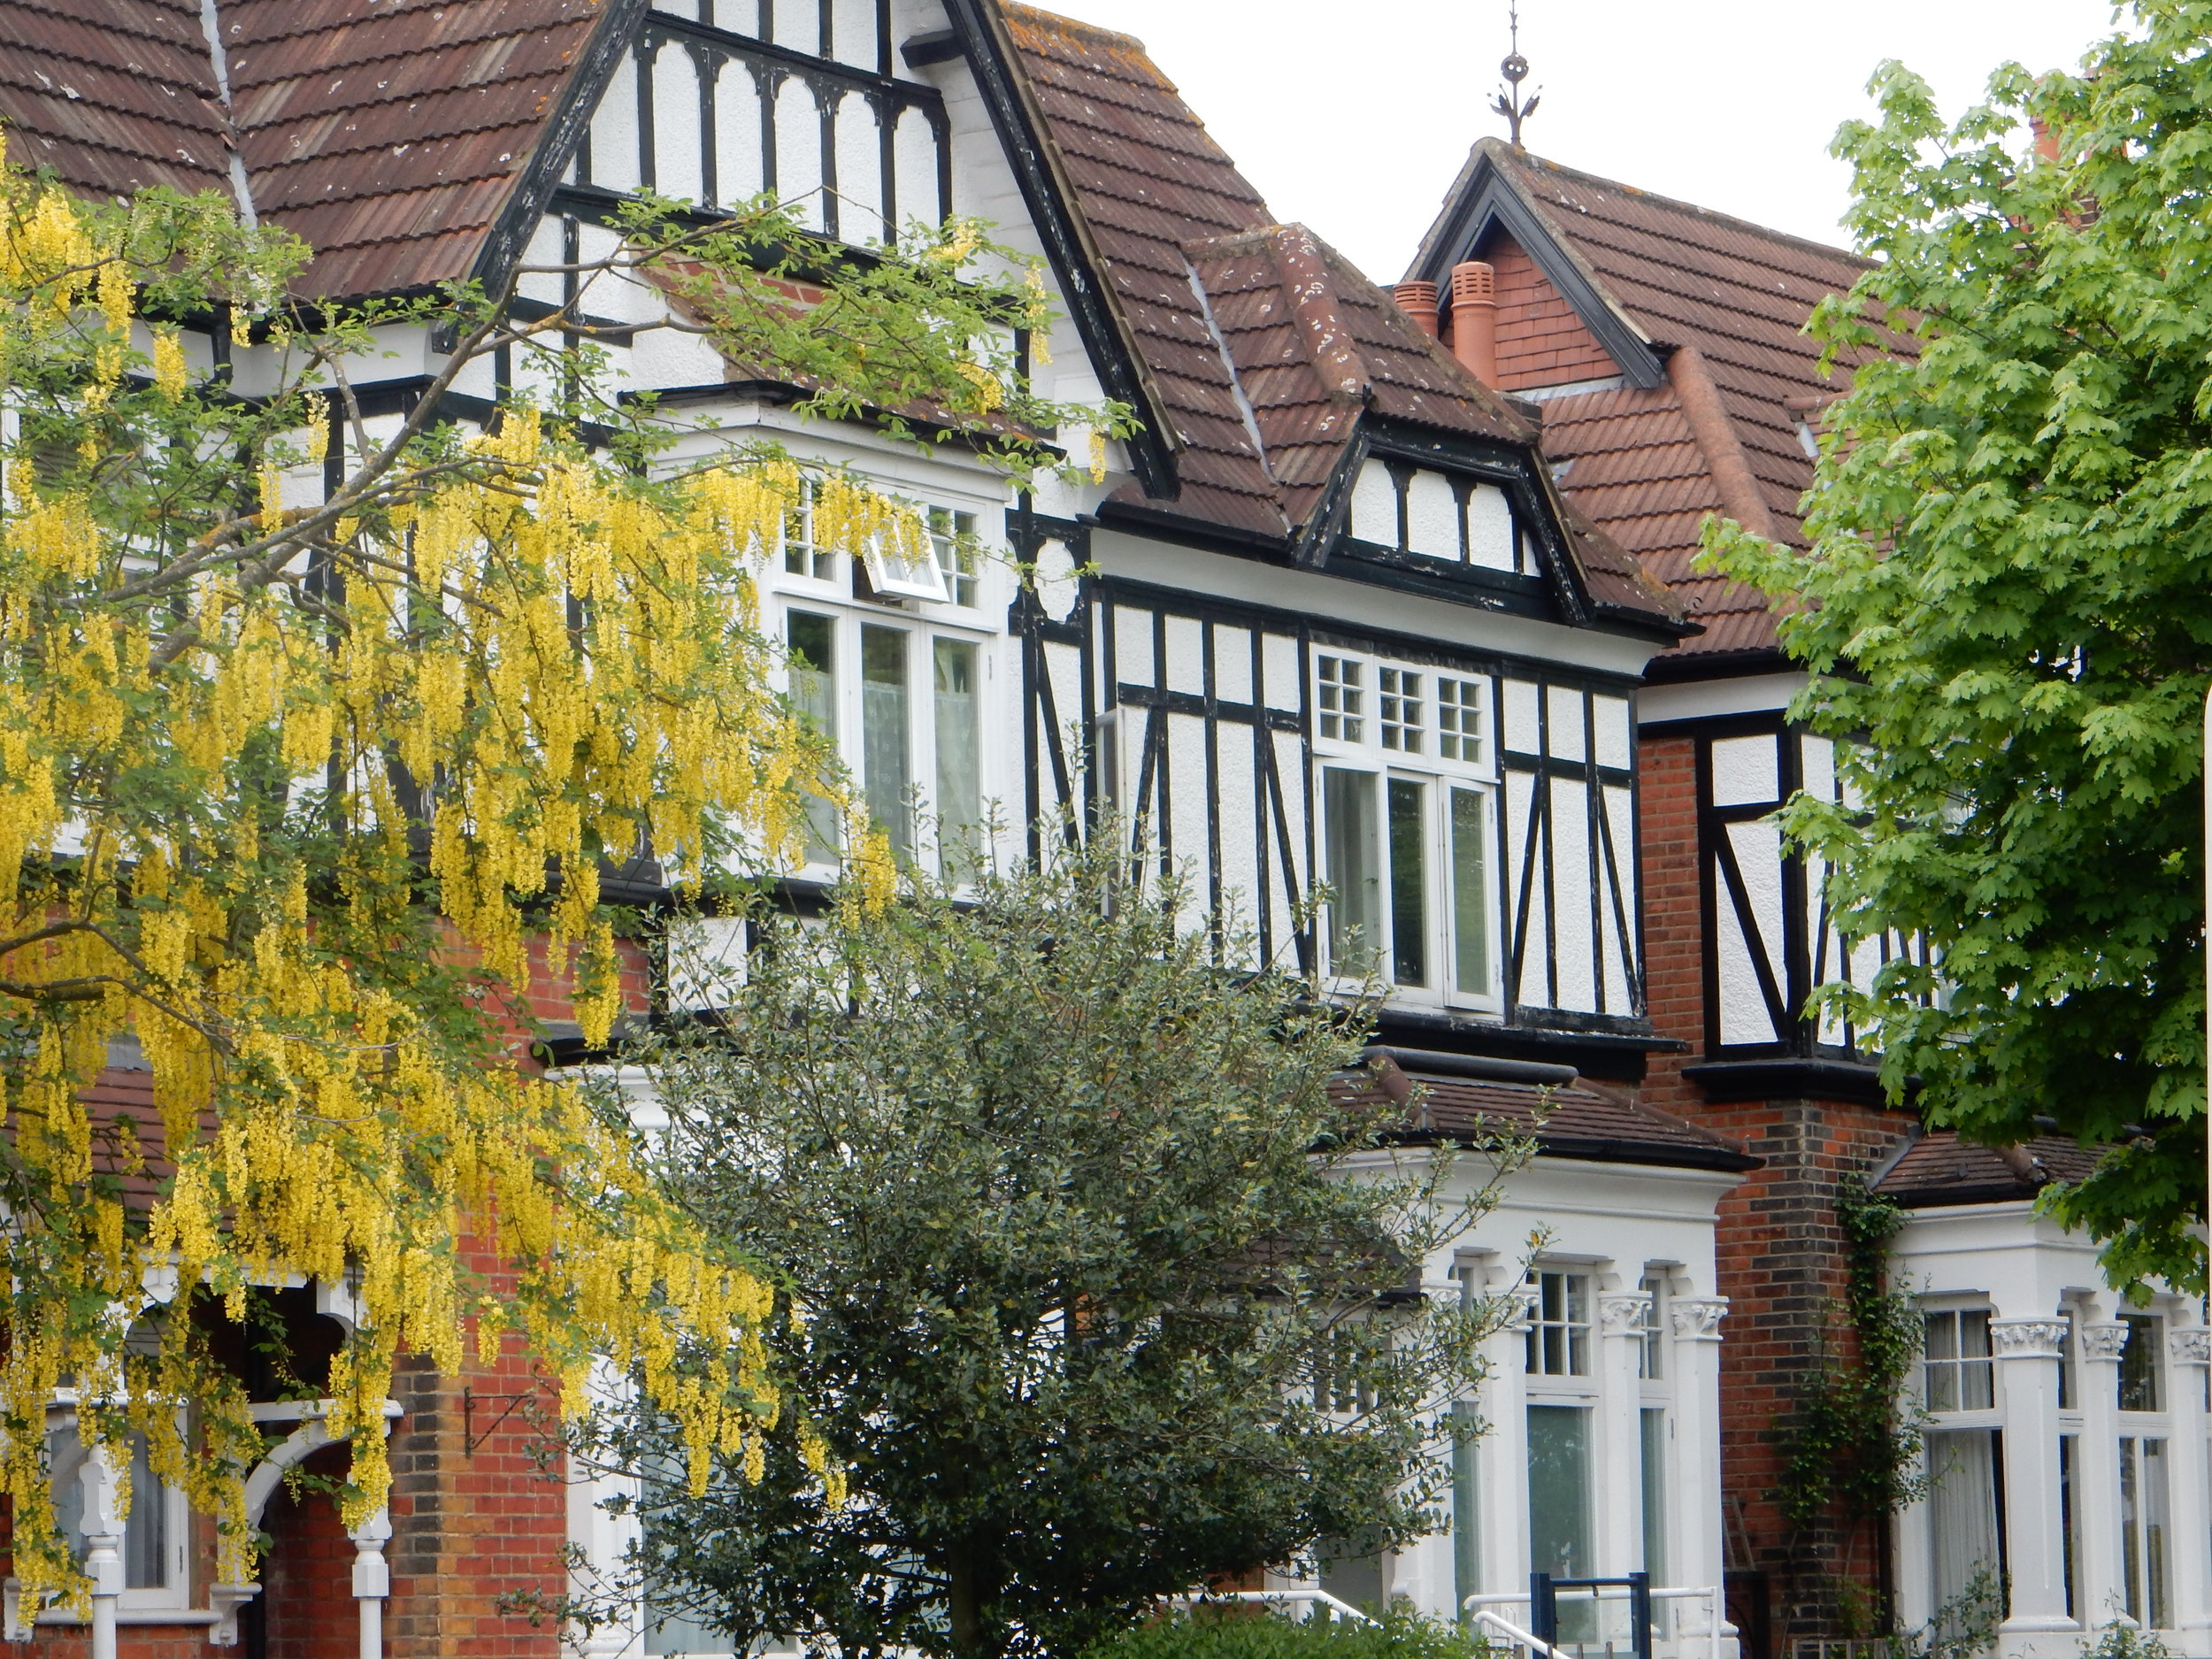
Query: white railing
column 1291, row 1598
column 1480, row 1606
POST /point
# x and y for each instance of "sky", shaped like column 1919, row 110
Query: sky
column 1354, row 118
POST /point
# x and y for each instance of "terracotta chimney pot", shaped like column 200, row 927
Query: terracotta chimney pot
column 1417, row 300
column 1475, row 320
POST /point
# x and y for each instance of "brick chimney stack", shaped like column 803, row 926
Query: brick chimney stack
column 1417, row 300
column 1475, row 320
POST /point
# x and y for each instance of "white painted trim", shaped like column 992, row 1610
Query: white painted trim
column 1709, row 699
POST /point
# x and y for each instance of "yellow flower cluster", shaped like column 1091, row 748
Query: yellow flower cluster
column 217, row 811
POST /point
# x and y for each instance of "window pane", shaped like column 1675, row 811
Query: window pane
column 1466, row 1517
column 959, row 765
column 1654, row 1472
column 2068, row 1524
column 883, row 735
column 146, row 1533
column 1348, row 798
column 1470, row 897
column 813, row 645
column 1963, row 1531
column 1409, row 884
column 1559, row 1494
column 1977, row 1390
column 2139, row 1363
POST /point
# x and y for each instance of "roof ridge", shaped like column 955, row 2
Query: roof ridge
column 1677, row 202
column 1077, row 30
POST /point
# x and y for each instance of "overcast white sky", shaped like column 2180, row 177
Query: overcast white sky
column 1354, row 118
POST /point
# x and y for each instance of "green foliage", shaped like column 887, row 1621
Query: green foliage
column 2008, row 601
column 1102, row 1285
column 1216, row 1632
column 2117, row 1640
column 1851, row 1447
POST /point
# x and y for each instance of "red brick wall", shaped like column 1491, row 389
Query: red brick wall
column 1541, row 341
column 1779, row 1246
column 308, row 1609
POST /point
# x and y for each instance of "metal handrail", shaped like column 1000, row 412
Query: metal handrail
column 1710, row 1594
column 1514, row 1632
column 1342, row 1610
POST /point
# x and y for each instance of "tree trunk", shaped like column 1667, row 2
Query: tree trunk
column 964, row 1602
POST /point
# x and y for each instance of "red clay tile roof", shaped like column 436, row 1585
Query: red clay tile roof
column 1941, row 1168
column 1262, row 345
column 388, row 134
column 112, row 95
column 1570, row 1122
column 1679, row 275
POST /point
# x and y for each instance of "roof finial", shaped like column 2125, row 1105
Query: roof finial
column 1515, row 69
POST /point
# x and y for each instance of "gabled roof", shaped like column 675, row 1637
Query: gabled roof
column 398, row 137
column 1263, row 352
column 1721, row 430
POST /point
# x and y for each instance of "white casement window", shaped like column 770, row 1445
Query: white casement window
column 952, row 539
column 2146, row 1548
column 156, row 1530
column 905, row 702
column 1407, row 809
column 1965, row 1451
column 1561, row 1391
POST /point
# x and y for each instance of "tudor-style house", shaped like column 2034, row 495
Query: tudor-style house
column 1661, row 348
column 1327, row 622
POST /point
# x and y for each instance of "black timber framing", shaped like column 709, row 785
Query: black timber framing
column 559, row 141
column 990, row 60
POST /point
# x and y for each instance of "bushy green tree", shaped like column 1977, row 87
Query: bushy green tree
column 2008, row 601
column 1105, row 1290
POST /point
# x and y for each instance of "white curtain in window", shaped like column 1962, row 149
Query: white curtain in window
column 1963, row 1514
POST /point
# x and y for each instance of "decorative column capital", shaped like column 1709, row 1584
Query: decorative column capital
column 372, row 1574
column 1698, row 1317
column 2103, row 1341
column 2027, row 1338
column 2191, row 1346
column 1625, row 1315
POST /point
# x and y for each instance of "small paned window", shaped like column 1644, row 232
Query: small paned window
column 1957, row 1374
column 2140, row 1386
column 1459, row 719
column 1559, row 1333
column 1398, row 702
column 1343, row 700
column 801, row 556
column 952, row 537
column 1651, row 1353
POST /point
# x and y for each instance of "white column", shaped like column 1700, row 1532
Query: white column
column 1619, row 1461
column 2190, row 1349
column 2097, row 1473
column 103, row 1545
column 1503, row 1468
column 1695, row 1526
column 372, row 1579
column 2027, row 1390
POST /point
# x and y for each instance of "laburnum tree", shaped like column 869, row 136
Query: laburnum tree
column 1109, row 1259
column 311, row 726
column 2007, row 606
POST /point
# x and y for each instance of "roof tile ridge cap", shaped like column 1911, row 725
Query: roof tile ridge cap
column 994, row 14
column 1725, row 460
column 1245, row 411
column 1518, row 182
column 1712, row 213
column 1077, row 30
column 1307, row 282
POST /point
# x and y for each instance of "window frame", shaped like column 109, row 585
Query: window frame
column 176, row 1515
column 847, row 620
column 1414, row 758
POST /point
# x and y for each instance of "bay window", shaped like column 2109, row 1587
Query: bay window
column 1406, row 805
column 1965, row 1452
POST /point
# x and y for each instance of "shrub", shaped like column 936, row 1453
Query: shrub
column 1232, row 1633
